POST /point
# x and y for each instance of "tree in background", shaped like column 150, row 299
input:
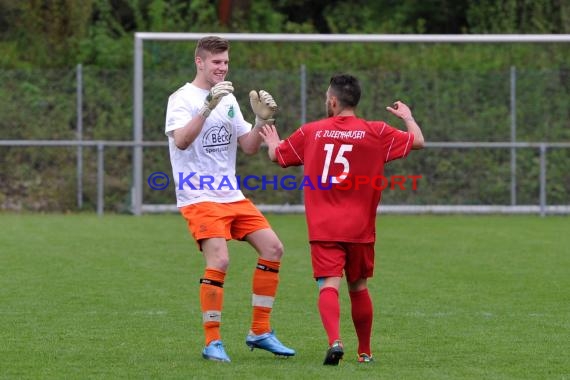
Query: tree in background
column 60, row 33
column 44, row 33
column 519, row 16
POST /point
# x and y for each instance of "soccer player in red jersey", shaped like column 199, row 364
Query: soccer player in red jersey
column 337, row 153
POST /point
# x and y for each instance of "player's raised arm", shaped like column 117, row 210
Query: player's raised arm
column 271, row 138
column 402, row 111
column 264, row 107
column 185, row 136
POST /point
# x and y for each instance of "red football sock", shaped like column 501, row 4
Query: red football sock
column 329, row 308
column 362, row 315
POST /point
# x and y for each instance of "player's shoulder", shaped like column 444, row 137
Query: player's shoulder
column 317, row 124
column 180, row 89
column 309, row 128
column 379, row 127
column 188, row 89
column 375, row 123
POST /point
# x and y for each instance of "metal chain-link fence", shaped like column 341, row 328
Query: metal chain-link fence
column 451, row 106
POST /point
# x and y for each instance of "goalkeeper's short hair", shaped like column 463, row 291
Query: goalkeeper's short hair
column 211, row 44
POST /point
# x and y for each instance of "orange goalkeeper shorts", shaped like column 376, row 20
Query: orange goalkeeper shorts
column 234, row 220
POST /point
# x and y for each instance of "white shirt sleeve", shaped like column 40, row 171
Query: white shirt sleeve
column 178, row 113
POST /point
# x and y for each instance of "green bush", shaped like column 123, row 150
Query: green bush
column 459, row 92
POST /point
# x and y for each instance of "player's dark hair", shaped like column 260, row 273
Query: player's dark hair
column 346, row 88
column 211, row 44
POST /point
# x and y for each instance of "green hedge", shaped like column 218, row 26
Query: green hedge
column 459, row 104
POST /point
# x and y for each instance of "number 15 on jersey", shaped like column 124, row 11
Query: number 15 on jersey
column 339, row 158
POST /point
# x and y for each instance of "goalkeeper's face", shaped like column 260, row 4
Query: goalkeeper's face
column 213, row 67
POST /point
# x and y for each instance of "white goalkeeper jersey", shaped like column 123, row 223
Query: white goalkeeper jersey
column 205, row 171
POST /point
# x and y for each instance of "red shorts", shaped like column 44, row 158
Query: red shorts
column 331, row 258
column 232, row 220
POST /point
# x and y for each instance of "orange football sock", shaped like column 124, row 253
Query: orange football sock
column 265, row 282
column 211, row 301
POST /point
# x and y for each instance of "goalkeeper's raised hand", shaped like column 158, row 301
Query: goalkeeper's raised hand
column 264, row 107
column 217, row 92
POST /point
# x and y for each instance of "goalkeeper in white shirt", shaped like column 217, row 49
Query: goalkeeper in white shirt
column 204, row 125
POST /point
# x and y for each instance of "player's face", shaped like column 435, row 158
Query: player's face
column 213, row 67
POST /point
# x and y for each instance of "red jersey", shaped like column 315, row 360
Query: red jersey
column 339, row 155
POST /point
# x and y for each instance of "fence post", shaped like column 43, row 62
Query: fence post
column 542, row 179
column 100, row 178
column 513, row 135
column 137, row 192
column 79, row 85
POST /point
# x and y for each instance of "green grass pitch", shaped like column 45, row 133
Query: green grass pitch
column 455, row 297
